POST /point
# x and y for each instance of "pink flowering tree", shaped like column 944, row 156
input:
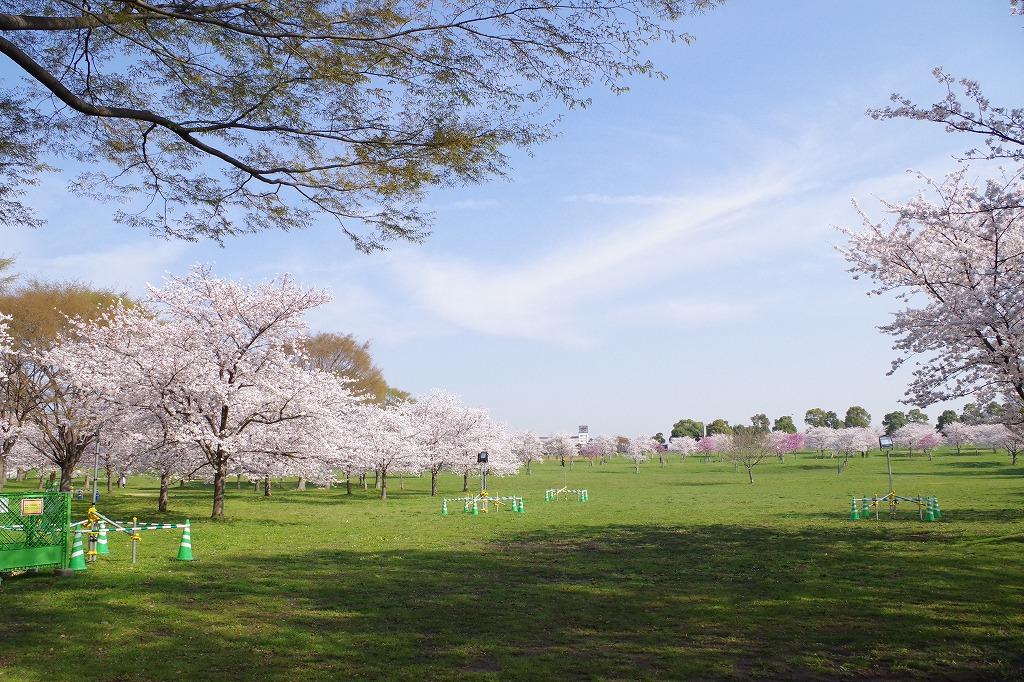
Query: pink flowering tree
column 782, row 443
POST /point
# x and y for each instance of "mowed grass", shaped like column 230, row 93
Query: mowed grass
column 685, row 571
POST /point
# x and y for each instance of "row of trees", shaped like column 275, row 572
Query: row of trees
column 211, row 378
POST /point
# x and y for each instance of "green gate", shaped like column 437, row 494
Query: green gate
column 34, row 530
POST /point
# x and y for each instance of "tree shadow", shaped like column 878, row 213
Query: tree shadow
column 620, row 602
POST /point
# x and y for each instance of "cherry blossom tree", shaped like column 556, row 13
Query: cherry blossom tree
column 783, row 443
column 214, row 361
column 748, row 448
column 958, row 434
column 916, row 436
column 822, row 439
column 684, row 445
column 561, row 445
column 711, row 444
column 639, row 449
column 445, row 428
column 955, row 259
column 526, row 446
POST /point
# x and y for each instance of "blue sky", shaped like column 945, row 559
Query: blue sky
column 670, row 255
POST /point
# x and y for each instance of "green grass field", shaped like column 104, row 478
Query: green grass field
column 685, row 571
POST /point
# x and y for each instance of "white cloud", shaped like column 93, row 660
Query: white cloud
column 124, row 267
column 543, row 298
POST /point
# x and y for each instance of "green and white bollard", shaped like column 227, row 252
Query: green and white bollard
column 444, row 507
column 77, row 562
column 865, row 511
column 935, row 504
column 854, row 514
column 476, row 509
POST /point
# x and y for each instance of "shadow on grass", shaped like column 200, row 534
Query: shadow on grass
column 623, row 602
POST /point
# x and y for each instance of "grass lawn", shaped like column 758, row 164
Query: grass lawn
column 685, row 571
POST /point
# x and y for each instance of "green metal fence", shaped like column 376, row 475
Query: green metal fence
column 34, row 530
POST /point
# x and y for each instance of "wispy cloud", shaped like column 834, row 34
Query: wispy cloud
column 542, row 298
column 123, row 267
column 624, row 199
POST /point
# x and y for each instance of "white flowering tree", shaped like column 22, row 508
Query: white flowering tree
column 214, row 361
column 822, row 439
column 684, row 445
column 526, row 446
column 955, row 258
column 562, row 446
column 444, row 429
column 639, row 449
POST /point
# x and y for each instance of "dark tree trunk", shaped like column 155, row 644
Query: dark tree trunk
column 266, row 486
column 67, row 472
column 384, row 484
column 465, row 482
column 165, row 484
column 433, row 483
column 348, row 482
column 220, row 475
column 301, row 485
column 750, row 474
column 376, row 479
column 238, row 482
column 110, row 476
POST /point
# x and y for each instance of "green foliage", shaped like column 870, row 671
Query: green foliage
column 760, row 423
column 815, row 417
column 719, row 426
column 857, row 416
column 660, row 437
column 946, row 418
column 317, row 585
column 916, row 416
column 893, row 421
column 784, row 424
column 213, row 119
column 832, row 420
column 688, row 427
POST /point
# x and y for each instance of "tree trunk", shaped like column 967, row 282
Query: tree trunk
column 42, row 477
column 750, row 474
column 465, row 482
column 266, row 486
column 433, row 483
column 301, row 485
column 661, row 460
column 362, row 477
column 401, row 481
column 3, row 471
column 88, row 477
column 529, row 468
column 220, row 475
column 110, row 475
column 384, row 484
column 22, row 475
column 348, row 482
column 67, row 472
column 181, row 482
column 1013, row 458
column 238, row 481
column 637, row 465
column 165, row 484
column 376, row 479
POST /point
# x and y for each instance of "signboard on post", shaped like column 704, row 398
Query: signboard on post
column 481, row 458
column 885, row 442
column 32, row 506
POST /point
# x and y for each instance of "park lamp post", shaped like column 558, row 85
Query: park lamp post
column 481, row 459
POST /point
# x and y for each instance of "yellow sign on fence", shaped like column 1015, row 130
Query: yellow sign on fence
column 32, row 506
